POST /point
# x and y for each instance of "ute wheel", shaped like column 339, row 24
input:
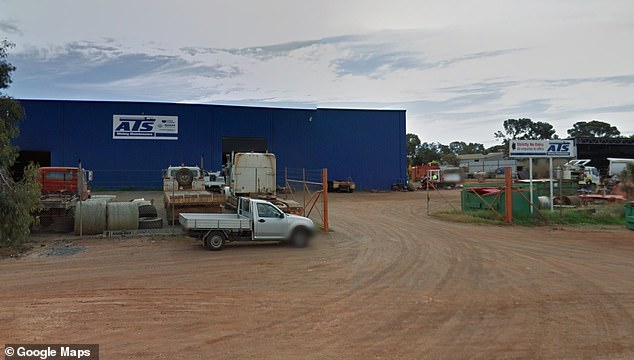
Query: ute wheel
column 147, row 211
column 150, row 223
column 184, row 177
column 300, row 238
column 215, row 240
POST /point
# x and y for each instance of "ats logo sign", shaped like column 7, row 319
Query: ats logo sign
column 146, row 127
column 542, row 148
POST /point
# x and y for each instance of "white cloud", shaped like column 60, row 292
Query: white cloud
column 460, row 68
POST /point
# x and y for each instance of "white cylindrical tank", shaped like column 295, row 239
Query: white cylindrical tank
column 123, row 216
column 90, row 217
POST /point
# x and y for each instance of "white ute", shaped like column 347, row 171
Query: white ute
column 255, row 220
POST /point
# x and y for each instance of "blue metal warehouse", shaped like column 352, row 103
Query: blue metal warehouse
column 126, row 144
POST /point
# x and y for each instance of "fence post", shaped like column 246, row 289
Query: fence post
column 324, row 180
column 80, row 188
column 508, row 195
column 304, row 189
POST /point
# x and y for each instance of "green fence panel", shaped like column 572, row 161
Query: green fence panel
column 629, row 215
column 471, row 201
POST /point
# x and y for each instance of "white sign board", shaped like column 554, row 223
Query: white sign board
column 542, row 148
column 146, row 127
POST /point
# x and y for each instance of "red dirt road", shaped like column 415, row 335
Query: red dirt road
column 388, row 283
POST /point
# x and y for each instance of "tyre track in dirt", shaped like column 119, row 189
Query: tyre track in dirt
column 389, row 282
column 456, row 262
column 366, row 273
column 404, row 254
column 612, row 319
column 464, row 271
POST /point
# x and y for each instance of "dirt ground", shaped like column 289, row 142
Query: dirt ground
column 388, row 282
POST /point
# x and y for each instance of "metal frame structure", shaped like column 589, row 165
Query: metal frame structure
column 310, row 202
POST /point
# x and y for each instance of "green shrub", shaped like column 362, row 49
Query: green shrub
column 613, row 214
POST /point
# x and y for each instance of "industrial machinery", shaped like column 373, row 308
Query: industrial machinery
column 184, row 191
column 617, row 166
column 214, row 181
column 254, row 175
column 438, row 176
column 61, row 189
column 341, row 186
column 579, row 171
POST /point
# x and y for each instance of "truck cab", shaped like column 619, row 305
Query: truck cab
column 65, row 180
column 579, row 170
column 252, row 174
column 61, row 188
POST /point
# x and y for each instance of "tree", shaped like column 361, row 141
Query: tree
column 18, row 199
column 541, row 131
column 497, row 148
column 524, row 129
column 412, row 142
column 461, row 148
column 436, row 153
column 593, row 128
column 428, row 152
column 449, row 159
column 446, row 156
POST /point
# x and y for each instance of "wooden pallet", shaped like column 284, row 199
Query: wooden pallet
column 193, row 198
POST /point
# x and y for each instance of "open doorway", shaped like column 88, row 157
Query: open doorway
column 41, row 158
column 242, row 144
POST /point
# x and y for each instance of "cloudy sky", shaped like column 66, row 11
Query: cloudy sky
column 459, row 68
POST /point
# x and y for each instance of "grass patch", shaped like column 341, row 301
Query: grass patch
column 471, row 217
column 596, row 215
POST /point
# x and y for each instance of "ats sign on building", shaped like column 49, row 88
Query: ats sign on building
column 146, row 127
column 542, row 148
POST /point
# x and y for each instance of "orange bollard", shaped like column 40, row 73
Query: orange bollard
column 324, row 179
column 508, row 194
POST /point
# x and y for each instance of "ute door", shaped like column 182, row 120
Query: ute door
column 271, row 222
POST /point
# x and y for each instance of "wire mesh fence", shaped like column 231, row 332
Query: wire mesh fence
column 309, row 188
column 126, row 179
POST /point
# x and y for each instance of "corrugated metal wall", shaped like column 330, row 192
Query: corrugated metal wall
column 366, row 145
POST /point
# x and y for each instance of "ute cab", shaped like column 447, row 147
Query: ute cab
column 65, row 180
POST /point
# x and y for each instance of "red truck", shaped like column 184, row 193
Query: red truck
column 438, row 176
column 61, row 189
column 419, row 172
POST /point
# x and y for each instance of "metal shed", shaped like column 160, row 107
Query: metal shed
column 598, row 150
column 124, row 146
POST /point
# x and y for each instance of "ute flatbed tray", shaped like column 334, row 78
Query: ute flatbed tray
column 199, row 221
